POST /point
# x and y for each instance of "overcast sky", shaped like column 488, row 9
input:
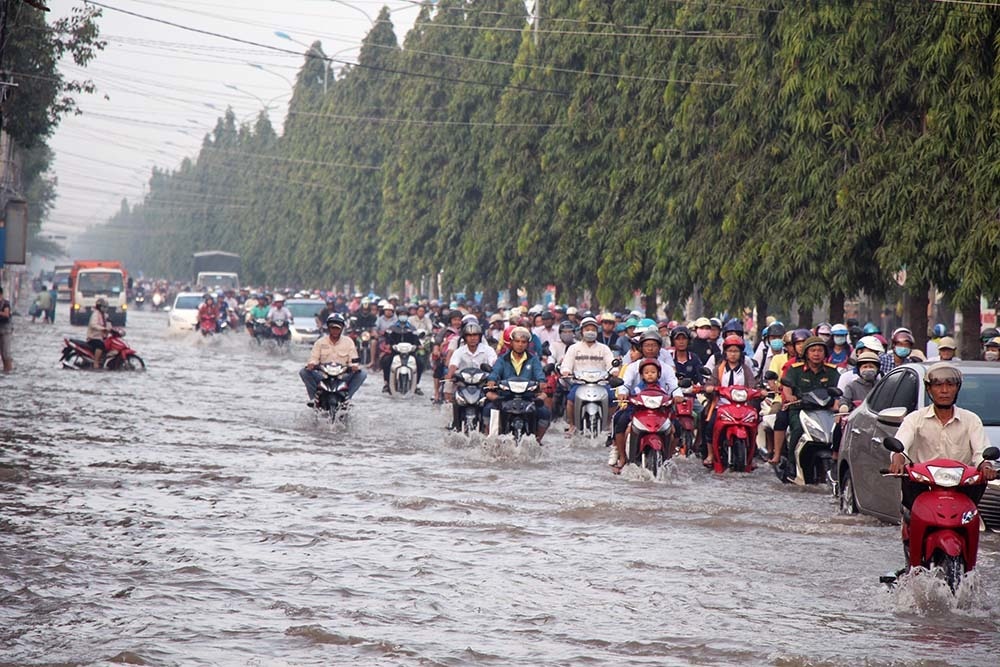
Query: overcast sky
column 161, row 88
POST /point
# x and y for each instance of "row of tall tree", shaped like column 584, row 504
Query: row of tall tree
column 753, row 153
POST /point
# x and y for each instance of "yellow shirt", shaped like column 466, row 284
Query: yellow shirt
column 518, row 363
column 326, row 351
column 777, row 361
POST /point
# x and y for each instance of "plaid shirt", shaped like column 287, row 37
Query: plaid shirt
column 887, row 361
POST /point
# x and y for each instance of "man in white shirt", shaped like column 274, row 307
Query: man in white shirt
column 472, row 353
column 547, row 332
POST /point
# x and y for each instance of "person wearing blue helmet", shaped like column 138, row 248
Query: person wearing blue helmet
column 938, row 332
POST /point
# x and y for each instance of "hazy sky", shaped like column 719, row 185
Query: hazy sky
column 161, row 88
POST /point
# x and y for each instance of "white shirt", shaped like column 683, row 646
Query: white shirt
column 962, row 438
column 549, row 336
column 583, row 356
column 279, row 314
column 463, row 357
column 668, row 379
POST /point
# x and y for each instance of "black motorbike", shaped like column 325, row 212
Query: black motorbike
column 469, row 399
column 332, row 389
column 517, row 403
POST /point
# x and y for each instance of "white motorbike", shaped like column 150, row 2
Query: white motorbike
column 403, row 369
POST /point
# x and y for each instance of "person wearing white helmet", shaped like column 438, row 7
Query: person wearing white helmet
column 573, row 315
column 387, row 319
column 586, row 355
column 279, row 311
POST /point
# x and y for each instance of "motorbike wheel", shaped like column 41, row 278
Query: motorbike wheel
column 652, row 459
column 953, row 568
column 738, row 459
column 73, row 359
column 687, row 442
column 848, row 501
column 133, row 362
column 333, row 409
column 592, row 426
column 633, row 451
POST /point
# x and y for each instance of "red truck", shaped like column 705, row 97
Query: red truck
column 91, row 279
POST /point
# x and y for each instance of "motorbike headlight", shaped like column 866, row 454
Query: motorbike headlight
column 946, row 476
column 739, row 395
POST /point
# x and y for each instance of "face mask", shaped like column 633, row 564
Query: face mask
column 776, row 344
column 567, row 338
column 992, row 355
column 590, row 336
column 704, row 334
column 901, row 352
column 839, row 340
column 868, row 375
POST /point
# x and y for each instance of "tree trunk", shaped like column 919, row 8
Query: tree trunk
column 969, row 346
column 651, row 304
column 915, row 315
column 761, row 307
column 805, row 317
column 837, row 307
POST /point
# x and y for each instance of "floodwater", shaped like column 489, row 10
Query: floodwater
column 197, row 514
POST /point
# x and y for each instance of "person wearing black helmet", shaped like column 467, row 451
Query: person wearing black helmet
column 771, row 344
column 401, row 332
column 686, row 363
column 987, row 334
column 332, row 348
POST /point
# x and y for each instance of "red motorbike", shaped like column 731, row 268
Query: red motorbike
column 280, row 332
column 683, row 415
column 649, row 437
column 117, row 354
column 734, row 438
column 943, row 530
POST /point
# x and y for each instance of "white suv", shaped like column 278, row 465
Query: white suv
column 183, row 315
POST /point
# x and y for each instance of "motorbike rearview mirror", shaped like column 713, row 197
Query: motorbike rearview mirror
column 705, row 373
column 615, row 381
column 549, row 369
column 891, row 416
column 486, row 368
column 835, row 392
column 684, row 383
column 991, row 454
column 893, row 445
column 770, row 376
column 616, row 362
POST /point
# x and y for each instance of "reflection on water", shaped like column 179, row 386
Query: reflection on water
column 200, row 514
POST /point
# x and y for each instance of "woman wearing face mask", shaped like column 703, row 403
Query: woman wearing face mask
column 992, row 349
column 586, row 355
column 858, row 390
column 703, row 346
column 840, row 348
column 771, row 345
column 898, row 352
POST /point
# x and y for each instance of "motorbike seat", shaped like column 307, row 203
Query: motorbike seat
column 78, row 341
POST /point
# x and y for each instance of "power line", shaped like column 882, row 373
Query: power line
column 313, row 54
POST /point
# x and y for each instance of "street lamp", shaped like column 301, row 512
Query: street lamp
column 265, row 105
column 357, row 9
column 271, row 71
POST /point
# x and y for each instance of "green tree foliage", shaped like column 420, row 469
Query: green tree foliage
column 753, row 153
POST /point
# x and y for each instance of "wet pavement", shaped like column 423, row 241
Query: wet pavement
column 198, row 514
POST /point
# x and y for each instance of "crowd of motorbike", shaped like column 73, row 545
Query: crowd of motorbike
column 651, row 390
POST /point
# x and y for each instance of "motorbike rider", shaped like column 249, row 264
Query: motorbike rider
column 587, row 355
column 98, row 328
column 991, row 350
column 333, row 348
column 945, row 350
column 547, row 332
column 567, row 338
column 401, row 332
column 278, row 311
column 734, row 371
column 771, row 345
column 258, row 312
column 938, row 332
column 811, row 373
column 208, row 314
column 625, row 337
column 940, row 430
column 703, row 345
column 495, row 330
column 899, row 352
column 686, row 363
column 519, row 363
column 840, row 348
column 650, row 347
column 607, row 334
column 985, row 336
column 858, row 390
column 328, row 309
column 472, row 353
column 387, row 318
column 421, row 320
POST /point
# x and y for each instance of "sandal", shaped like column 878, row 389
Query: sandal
column 617, row 467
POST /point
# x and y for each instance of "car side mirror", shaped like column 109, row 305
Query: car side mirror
column 617, row 382
column 991, row 454
column 891, row 416
column 486, row 368
column 894, row 445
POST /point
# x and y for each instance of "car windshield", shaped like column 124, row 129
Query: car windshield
column 61, row 279
column 100, row 282
column 979, row 394
column 305, row 311
column 217, row 282
column 188, row 303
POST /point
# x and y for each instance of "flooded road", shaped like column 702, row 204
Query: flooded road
column 197, row 514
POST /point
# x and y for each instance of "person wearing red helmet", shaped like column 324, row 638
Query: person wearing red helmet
column 734, row 371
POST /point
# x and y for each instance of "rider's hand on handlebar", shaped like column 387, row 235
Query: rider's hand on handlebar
column 988, row 471
column 897, row 465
